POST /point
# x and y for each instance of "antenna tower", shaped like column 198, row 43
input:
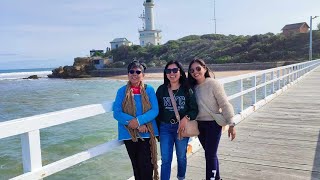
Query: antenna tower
column 214, row 17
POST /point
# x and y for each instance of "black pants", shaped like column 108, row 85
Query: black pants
column 140, row 155
column 209, row 137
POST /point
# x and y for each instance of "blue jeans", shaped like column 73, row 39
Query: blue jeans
column 168, row 138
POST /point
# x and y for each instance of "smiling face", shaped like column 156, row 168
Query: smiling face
column 198, row 72
column 135, row 76
column 173, row 73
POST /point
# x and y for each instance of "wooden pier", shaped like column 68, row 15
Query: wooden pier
column 281, row 141
column 278, row 135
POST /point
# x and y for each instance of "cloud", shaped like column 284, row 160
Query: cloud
column 88, row 6
column 42, row 28
column 8, row 54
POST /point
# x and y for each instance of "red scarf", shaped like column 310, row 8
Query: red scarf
column 135, row 89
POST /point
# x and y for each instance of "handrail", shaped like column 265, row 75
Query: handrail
column 29, row 127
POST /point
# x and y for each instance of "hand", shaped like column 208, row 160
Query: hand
column 183, row 124
column 133, row 123
column 232, row 132
column 143, row 129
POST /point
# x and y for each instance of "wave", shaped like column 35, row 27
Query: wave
column 20, row 75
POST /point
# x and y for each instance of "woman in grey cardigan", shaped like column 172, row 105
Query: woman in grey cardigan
column 211, row 97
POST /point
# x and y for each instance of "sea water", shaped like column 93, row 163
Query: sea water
column 27, row 97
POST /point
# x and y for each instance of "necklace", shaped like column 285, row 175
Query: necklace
column 174, row 94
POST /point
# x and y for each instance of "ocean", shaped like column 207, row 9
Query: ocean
column 27, row 97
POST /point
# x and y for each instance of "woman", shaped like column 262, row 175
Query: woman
column 210, row 97
column 169, row 127
column 135, row 108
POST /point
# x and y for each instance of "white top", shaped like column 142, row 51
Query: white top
column 212, row 94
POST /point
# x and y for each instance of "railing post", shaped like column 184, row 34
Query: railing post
column 240, row 98
column 278, row 82
column 283, row 78
column 299, row 73
column 264, row 88
column 290, row 70
column 272, row 77
column 292, row 75
column 254, row 93
column 31, row 151
column 288, row 77
column 295, row 72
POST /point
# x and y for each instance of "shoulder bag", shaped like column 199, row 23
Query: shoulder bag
column 191, row 128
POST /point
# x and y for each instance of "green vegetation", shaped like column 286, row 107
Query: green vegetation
column 219, row 49
column 97, row 53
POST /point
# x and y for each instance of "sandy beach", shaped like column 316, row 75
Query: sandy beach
column 157, row 76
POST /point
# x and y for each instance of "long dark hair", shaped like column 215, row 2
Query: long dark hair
column 191, row 80
column 183, row 78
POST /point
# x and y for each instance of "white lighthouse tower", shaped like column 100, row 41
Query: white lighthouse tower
column 148, row 33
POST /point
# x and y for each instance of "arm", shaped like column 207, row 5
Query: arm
column 160, row 105
column 223, row 103
column 118, row 113
column 192, row 110
column 151, row 113
column 192, row 105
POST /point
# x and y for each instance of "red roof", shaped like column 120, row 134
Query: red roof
column 294, row 26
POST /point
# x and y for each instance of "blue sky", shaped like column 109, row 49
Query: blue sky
column 42, row 33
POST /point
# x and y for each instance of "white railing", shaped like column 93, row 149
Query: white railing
column 29, row 128
column 280, row 79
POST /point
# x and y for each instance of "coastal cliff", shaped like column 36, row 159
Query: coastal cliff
column 80, row 69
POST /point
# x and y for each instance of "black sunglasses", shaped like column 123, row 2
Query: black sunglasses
column 198, row 68
column 174, row 70
column 133, row 71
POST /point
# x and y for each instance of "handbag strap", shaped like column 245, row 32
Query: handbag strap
column 174, row 104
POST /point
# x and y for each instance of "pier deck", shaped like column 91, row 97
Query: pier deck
column 279, row 141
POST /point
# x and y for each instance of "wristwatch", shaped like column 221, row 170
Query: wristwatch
column 232, row 124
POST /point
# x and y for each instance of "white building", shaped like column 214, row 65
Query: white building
column 148, row 34
column 117, row 42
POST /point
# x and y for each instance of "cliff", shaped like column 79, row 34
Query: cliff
column 80, row 69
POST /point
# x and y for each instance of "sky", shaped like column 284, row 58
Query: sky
column 43, row 33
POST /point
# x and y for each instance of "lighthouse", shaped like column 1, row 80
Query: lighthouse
column 148, row 34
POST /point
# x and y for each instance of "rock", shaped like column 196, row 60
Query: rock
column 32, row 77
column 81, row 68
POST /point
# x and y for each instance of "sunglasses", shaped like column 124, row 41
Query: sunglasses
column 133, row 71
column 198, row 68
column 174, row 70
